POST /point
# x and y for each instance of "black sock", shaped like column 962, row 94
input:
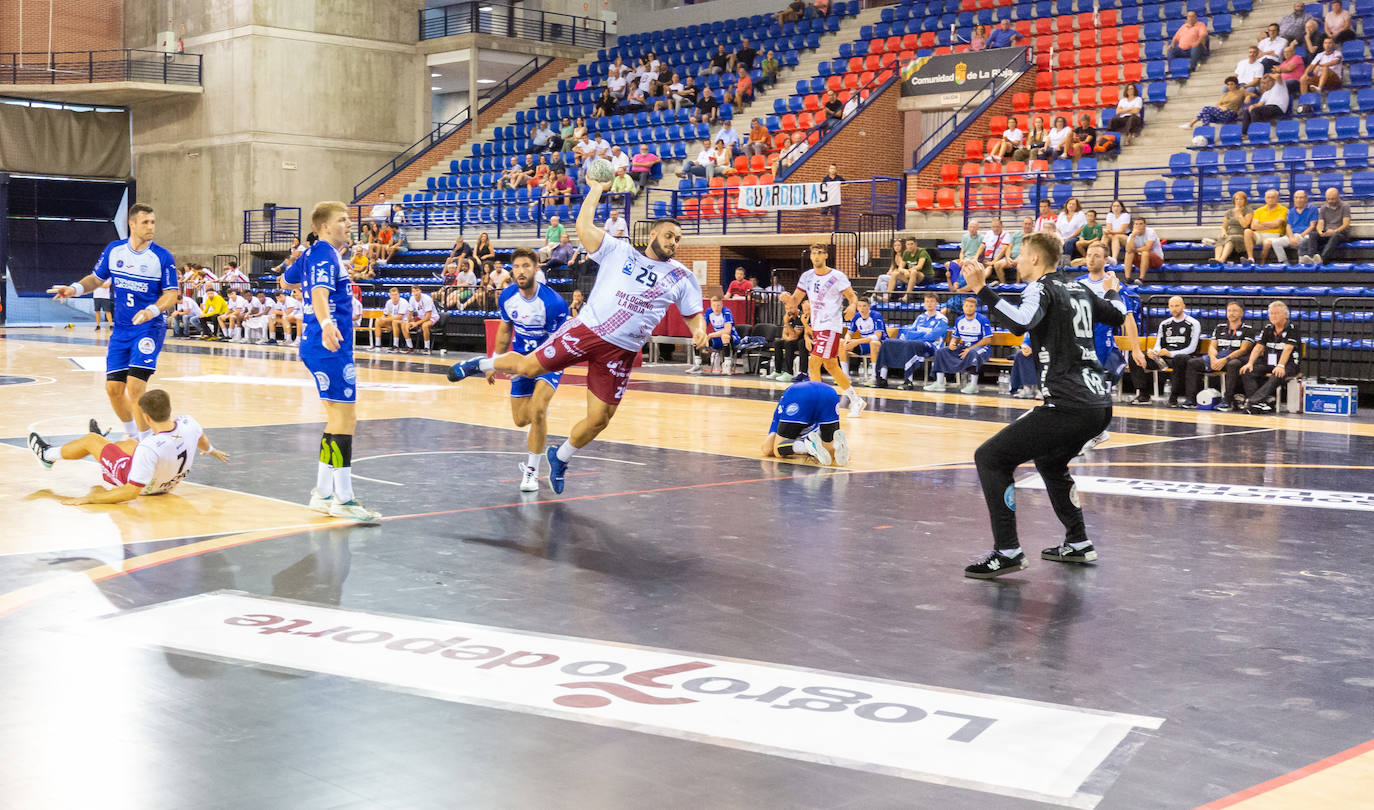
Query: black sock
column 344, row 443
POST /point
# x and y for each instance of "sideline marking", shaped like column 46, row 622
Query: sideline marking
column 1355, row 790
column 1217, row 493
column 932, row 734
column 301, row 382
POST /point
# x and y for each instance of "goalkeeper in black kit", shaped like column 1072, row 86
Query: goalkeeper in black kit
column 1059, row 313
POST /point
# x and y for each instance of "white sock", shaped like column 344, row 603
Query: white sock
column 565, row 450
column 343, row 484
column 130, row 429
column 52, row 454
column 1079, row 546
column 534, row 460
column 324, row 479
column 487, row 364
column 1009, row 552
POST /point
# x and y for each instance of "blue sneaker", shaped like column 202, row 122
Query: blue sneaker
column 557, row 469
column 467, row 368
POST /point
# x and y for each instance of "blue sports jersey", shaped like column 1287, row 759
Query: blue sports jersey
column 716, row 321
column 930, row 328
column 867, row 327
column 137, row 279
column 808, row 403
column 972, row 331
column 1104, row 335
column 532, row 319
column 321, row 266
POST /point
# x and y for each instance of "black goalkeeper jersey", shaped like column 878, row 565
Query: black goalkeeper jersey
column 1059, row 314
column 1230, row 340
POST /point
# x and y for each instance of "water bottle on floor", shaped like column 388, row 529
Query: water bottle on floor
column 1168, row 389
column 1004, row 382
column 715, row 362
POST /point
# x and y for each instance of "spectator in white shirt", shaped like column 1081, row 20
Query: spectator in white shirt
column 1272, row 102
column 1143, row 249
column 603, row 146
column 235, row 278
column 1271, row 47
column 703, row 165
column 1070, row 224
column 1250, row 69
column 1012, row 139
column 392, row 320
column 617, row 84
column 996, row 242
column 615, row 224
column 1324, row 73
column 618, row 159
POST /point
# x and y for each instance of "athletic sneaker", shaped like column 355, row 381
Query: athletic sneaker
column 1141, row 398
column 938, row 385
column 783, row 376
column 355, row 511
column 857, row 407
column 812, row 448
column 879, row 382
column 94, row 427
column 38, row 446
column 467, row 368
column 321, row 503
column 995, row 565
column 694, row 368
column 529, row 478
column 1068, row 554
column 1188, row 404
column 1260, row 408
column 1223, row 405
column 971, row 388
column 557, row 469
column 841, row 449
column 1096, row 440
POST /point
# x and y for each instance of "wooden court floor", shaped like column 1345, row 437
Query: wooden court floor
column 1229, row 611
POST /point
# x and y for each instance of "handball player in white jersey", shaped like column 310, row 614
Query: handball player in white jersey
column 631, row 294
column 153, row 465
column 832, row 304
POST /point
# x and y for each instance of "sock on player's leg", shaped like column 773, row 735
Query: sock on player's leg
column 486, row 364
column 130, row 429
column 565, row 450
column 51, row 454
column 534, row 459
column 324, row 474
column 343, row 470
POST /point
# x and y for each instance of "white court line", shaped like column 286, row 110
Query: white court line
column 328, row 523
column 38, row 379
column 487, row 453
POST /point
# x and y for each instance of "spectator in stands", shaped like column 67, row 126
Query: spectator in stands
column 460, row 282
column 562, row 255
column 1004, row 36
column 920, row 269
column 1273, row 360
column 770, row 67
column 687, row 96
column 514, row 175
column 622, row 183
column 1291, row 69
column 1069, row 225
column 1227, row 108
column 1269, row 222
column 187, row 317
column 1291, row 26
column 744, row 57
column 1336, row 23
column 1012, row 138
column 820, row 8
column 887, row 283
column 1058, row 141
column 724, row 158
column 740, row 287
column 795, row 12
column 642, row 166
column 719, row 63
column 1144, row 251
column 1129, row 114
column 669, row 91
column 1234, row 224
column 552, row 236
column 707, row 107
column 969, row 346
column 760, row 139
column 584, row 150
column 744, row 87
column 483, row 253
column 913, row 344
column 1250, row 69
column 383, row 246
column 1175, row 345
column 541, row 172
column 1190, row 41
column 1271, row 47
column 996, row 244
column 635, row 101
column 576, row 304
column 615, row 224
column 1333, row 225
column 1231, row 344
column 541, row 138
column 603, row 146
column 970, row 244
column 978, row 40
column 729, row 135
column 1270, row 103
column 618, row 158
column 1092, row 233
column 1046, row 221
column 563, row 188
column 1008, row 261
column 1084, row 137
column 834, row 108
column 796, row 147
column 606, row 104
column 1324, row 73
column 702, row 165
column 1313, row 39
column 1302, row 228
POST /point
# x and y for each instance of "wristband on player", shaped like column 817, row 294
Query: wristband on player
column 329, row 322
column 152, row 310
column 77, row 288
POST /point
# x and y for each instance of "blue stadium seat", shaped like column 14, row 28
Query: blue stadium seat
column 1355, row 155
column 1236, row 184
column 1364, row 99
column 1324, row 156
column 1286, row 131
column 1258, row 133
column 1086, row 170
column 1156, row 70
column 1154, row 191
column 1157, row 92
column 1230, row 135
column 1317, row 129
column 1338, row 101
column 1262, row 159
column 1211, row 189
column 1294, row 157
column 1181, row 164
column 1347, row 127
column 1182, row 192
column 1206, row 162
column 1361, row 75
column 1334, row 180
column 1178, row 68
column 1206, row 132
column 1352, row 51
column 1234, row 161
column 1265, row 182
column 1302, row 181
column 1362, row 185
column 1221, row 24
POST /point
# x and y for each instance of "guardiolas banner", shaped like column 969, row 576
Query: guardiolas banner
column 957, row 72
column 789, row 196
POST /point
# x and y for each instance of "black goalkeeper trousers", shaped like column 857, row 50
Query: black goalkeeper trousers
column 1051, row 437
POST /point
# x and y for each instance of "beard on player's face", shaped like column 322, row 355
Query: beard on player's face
column 662, row 249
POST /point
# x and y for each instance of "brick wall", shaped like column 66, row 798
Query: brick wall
column 520, row 97
column 870, row 144
column 77, row 25
column 977, row 131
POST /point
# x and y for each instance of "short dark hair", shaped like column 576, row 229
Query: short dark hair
column 1236, row 303
column 661, row 221
column 524, row 253
column 156, row 405
column 139, row 208
column 1049, row 247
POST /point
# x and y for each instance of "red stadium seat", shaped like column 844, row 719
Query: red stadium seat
column 1044, row 26
column 691, row 208
column 757, row 164
column 1064, row 23
column 866, row 78
column 997, row 123
column 742, row 164
column 733, row 180
column 911, row 42
column 1068, row 60
column 1087, row 97
column 811, row 103
column 925, row 199
column 1063, row 99
column 1108, row 36
column 892, row 44
column 851, row 80
column 943, row 50
column 780, row 138
column 927, row 40
column 1110, row 94
column 717, row 186
column 1042, row 60
column 970, row 171
column 1039, row 166
column 814, row 138
column 1022, row 27
column 766, row 180
column 1131, row 72
column 750, row 179
column 906, row 56
column 888, row 59
column 1065, row 41
column 1043, row 44
column 1020, row 102
column 1044, row 80
column 961, row 49
column 1108, row 18
column 1042, row 101
column 844, row 96
column 876, row 46
column 1130, row 52
column 1084, row 21
column 1086, row 77
column 1087, row 38
column 883, row 77
column 834, row 83
column 855, row 64
column 872, row 61
column 1088, row 57
column 947, row 199
column 973, row 150
column 1062, row 79
column 788, row 123
column 1013, row 197
column 1016, row 169
column 709, row 210
column 1130, row 33
column 805, row 121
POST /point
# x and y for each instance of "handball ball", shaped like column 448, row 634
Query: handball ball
column 601, row 171
column 1199, row 140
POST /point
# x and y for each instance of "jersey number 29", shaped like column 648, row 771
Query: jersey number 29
column 647, row 277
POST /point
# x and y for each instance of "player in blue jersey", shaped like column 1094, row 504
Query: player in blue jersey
column 143, row 284
column 328, row 355
column 806, row 423
column 530, row 312
column 866, row 334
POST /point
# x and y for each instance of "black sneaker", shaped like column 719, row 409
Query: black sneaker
column 1187, row 404
column 995, row 565
column 880, row 382
column 1068, row 554
column 1261, row 408
column 907, row 385
column 1173, row 402
column 38, row 446
column 1223, row 405
column 94, row 427
column 1141, row 399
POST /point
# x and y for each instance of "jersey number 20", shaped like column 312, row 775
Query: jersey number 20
column 1082, row 318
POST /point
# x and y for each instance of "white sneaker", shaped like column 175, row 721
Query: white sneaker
column 355, row 511
column 321, row 503
column 529, row 478
column 841, row 449
column 971, row 388
column 857, row 407
column 694, row 369
column 812, row 448
column 936, row 386
column 1093, row 442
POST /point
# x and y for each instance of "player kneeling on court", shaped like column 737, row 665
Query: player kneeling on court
column 150, row 466
column 530, row 312
column 806, row 424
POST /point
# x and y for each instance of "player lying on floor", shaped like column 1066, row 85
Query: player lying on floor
column 151, row 466
column 806, row 425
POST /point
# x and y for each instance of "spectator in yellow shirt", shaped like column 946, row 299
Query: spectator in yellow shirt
column 1269, row 222
column 210, row 310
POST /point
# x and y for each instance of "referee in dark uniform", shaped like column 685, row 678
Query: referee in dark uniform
column 1059, row 314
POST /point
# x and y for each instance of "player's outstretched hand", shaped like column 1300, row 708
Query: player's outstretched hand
column 596, row 186
column 975, row 274
column 332, row 337
column 491, row 378
column 60, row 291
column 1139, row 357
column 219, row 454
column 699, row 339
column 141, row 316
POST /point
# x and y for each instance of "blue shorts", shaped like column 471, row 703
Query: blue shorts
column 135, row 346
column 521, row 387
column 335, row 375
column 807, row 403
column 863, row 348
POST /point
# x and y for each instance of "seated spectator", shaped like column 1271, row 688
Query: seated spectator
column 1290, row 71
column 1231, row 344
column 1269, row 222
column 553, row 235
column 866, row 333
column 978, row 40
column 920, row 268
column 707, row 107
column 789, row 345
column 1333, row 226
column 1129, row 118
column 1190, row 41
column 1273, row 360
column 642, row 166
column 1084, row 137
column 724, row 158
column 1336, row 23
column 703, row 165
column 1118, row 229
column 460, row 282
column 1250, row 69
column 719, row 62
column 566, row 129
column 635, row 101
column 584, row 151
column 514, row 175
column 618, row 158
column 1091, row 234
column 687, row 95
column 615, row 225
column 743, row 57
column 914, row 343
column 1070, row 223
column 562, row 254
column 1144, row 251
column 213, row 308
column 541, row 172
column 1058, row 141
column 236, row 279
column 1008, row 260
column 1270, row 103
column 720, row 336
column 970, row 244
column 1234, row 224
column 543, row 139
column 740, row 287
column 744, row 86
column 996, row 243
column 1302, row 228
column 969, row 346
column 1313, row 40
column 1025, row 372
column 607, row 102
column 622, row 183
column 1012, row 139
column 820, row 8
column 1047, row 221
column 1004, row 36
column 187, row 317
column 1175, row 344
column 760, row 140
column 603, row 146
column 834, row 108
column 575, row 305
column 796, row 147
column 1324, row 73
column 483, row 253
column 561, row 188
column 1035, row 140
column 770, row 67
column 1227, row 108
column 729, row 135
column 795, row 12
column 1271, row 47
column 1291, row 26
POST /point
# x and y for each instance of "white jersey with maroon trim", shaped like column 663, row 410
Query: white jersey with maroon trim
column 826, row 293
column 633, row 291
column 163, row 459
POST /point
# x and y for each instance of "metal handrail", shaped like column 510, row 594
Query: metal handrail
column 271, row 225
column 113, row 65
column 937, row 140
column 500, row 19
column 456, row 122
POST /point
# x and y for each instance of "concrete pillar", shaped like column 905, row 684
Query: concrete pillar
column 473, row 103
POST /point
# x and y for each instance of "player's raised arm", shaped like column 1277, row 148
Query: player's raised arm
column 588, row 234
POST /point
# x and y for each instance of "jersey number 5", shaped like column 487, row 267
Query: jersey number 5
column 129, row 300
column 1082, row 318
